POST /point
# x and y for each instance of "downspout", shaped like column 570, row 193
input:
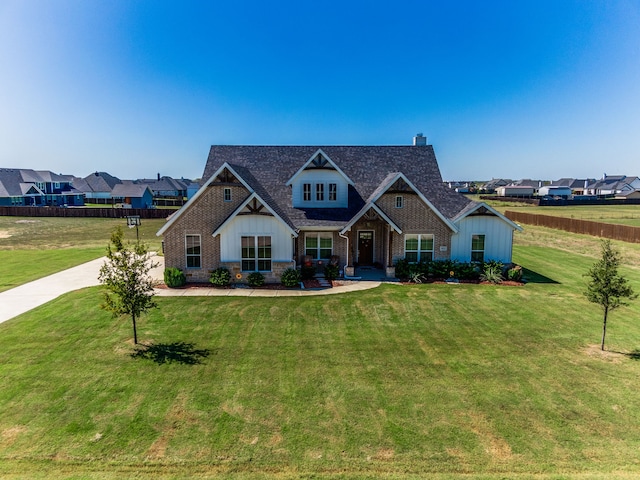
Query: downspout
column 347, row 239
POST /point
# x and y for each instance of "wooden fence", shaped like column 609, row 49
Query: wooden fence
column 624, row 233
column 84, row 212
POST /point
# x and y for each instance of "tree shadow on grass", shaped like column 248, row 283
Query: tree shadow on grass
column 633, row 355
column 178, row 352
column 533, row 277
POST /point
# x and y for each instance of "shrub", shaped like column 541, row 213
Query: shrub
column 402, row 268
column 491, row 272
column 467, row 271
column 255, row 279
column 220, row 277
column 331, row 272
column 290, row 278
column 515, row 273
column 174, row 277
column 307, row 272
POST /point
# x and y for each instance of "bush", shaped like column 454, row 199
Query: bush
column 290, row 278
column 255, row 279
column 307, row 272
column 174, row 277
column 331, row 272
column 402, row 268
column 220, row 277
column 514, row 273
column 491, row 272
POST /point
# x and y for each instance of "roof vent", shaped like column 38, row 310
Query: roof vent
column 419, row 140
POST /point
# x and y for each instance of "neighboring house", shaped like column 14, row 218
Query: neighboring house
column 165, row 186
column 132, row 195
column 515, row 191
column 99, row 185
column 460, row 187
column 554, row 191
column 493, row 184
column 26, row 187
column 267, row 208
column 578, row 186
column 628, row 195
column 610, row 185
column 192, row 188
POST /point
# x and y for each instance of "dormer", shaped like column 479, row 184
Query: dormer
column 320, row 183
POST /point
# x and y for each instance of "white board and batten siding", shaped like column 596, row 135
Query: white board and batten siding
column 251, row 225
column 498, row 238
column 324, row 177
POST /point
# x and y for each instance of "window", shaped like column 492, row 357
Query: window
column 477, row 248
column 333, row 192
column 319, row 192
column 319, row 246
column 256, row 254
column 399, row 201
column 194, row 251
column 306, row 192
column 418, row 248
column 227, row 194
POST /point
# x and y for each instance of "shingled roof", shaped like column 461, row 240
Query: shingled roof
column 268, row 168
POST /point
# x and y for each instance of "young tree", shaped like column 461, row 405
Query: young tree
column 125, row 273
column 606, row 286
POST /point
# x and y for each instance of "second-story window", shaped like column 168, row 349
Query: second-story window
column 227, row 194
column 399, row 201
column 319, row 192
column 333, row 192
column 306, row 192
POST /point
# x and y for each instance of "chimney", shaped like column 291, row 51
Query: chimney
column 158, row 175
column 419, row 140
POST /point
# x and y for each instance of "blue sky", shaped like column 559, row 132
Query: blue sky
column 520, row 89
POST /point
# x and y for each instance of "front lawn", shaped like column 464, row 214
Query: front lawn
column 34, row 247
column 444, row 381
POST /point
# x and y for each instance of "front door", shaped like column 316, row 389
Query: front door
column 365, row 248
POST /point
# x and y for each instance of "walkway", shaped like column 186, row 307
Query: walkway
column 33, row 294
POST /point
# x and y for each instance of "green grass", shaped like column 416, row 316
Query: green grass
column 21, row 266
column 40, row 233
column 616, row 214
column 438, row 381
column 32, row 248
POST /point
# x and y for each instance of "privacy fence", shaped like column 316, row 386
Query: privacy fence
column 84, row 212
column 624, row 233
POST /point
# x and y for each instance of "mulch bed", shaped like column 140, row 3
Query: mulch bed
column 267, row 286
column 311, row 284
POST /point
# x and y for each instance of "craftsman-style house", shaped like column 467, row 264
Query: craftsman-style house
column 266, row 208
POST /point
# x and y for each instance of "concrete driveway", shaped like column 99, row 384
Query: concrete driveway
column 33, row 294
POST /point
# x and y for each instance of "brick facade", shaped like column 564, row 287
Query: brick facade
column 415, row 217
column 207, row 212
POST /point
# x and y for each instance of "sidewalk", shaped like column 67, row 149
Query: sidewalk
column 33, row 294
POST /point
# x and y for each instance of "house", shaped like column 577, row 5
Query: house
column 578, row 186
column 132, row 195
column 165, row 186
column 554, row 191
column 268, row 208
column 26, row 187
column 515, row 191
column 493, row 184
column 99, row 185
column 610, row 185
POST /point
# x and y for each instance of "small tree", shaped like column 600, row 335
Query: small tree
column 125, row 273
column 606, row 286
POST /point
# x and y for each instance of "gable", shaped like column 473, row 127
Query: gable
column 256, row 207
column 319, row 161
column 481, row 209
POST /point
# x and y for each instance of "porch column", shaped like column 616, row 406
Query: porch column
column 390, row 271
